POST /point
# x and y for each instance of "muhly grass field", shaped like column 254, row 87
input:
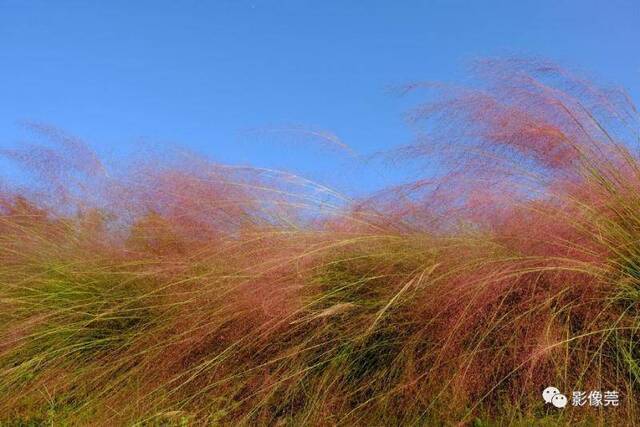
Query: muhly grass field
column 182, row 292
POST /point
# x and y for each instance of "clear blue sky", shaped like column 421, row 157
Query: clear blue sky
column 200, row 73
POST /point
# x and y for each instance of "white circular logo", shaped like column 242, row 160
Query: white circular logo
column 552, row 395
column 548, row 394
column 559, row 400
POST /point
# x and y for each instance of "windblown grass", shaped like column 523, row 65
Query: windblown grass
column 180, row 293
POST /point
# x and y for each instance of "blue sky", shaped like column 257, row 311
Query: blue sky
column 200, row 74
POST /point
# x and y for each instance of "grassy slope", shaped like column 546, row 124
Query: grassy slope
column 212, row 295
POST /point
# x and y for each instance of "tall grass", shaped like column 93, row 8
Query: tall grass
column 186, row 292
